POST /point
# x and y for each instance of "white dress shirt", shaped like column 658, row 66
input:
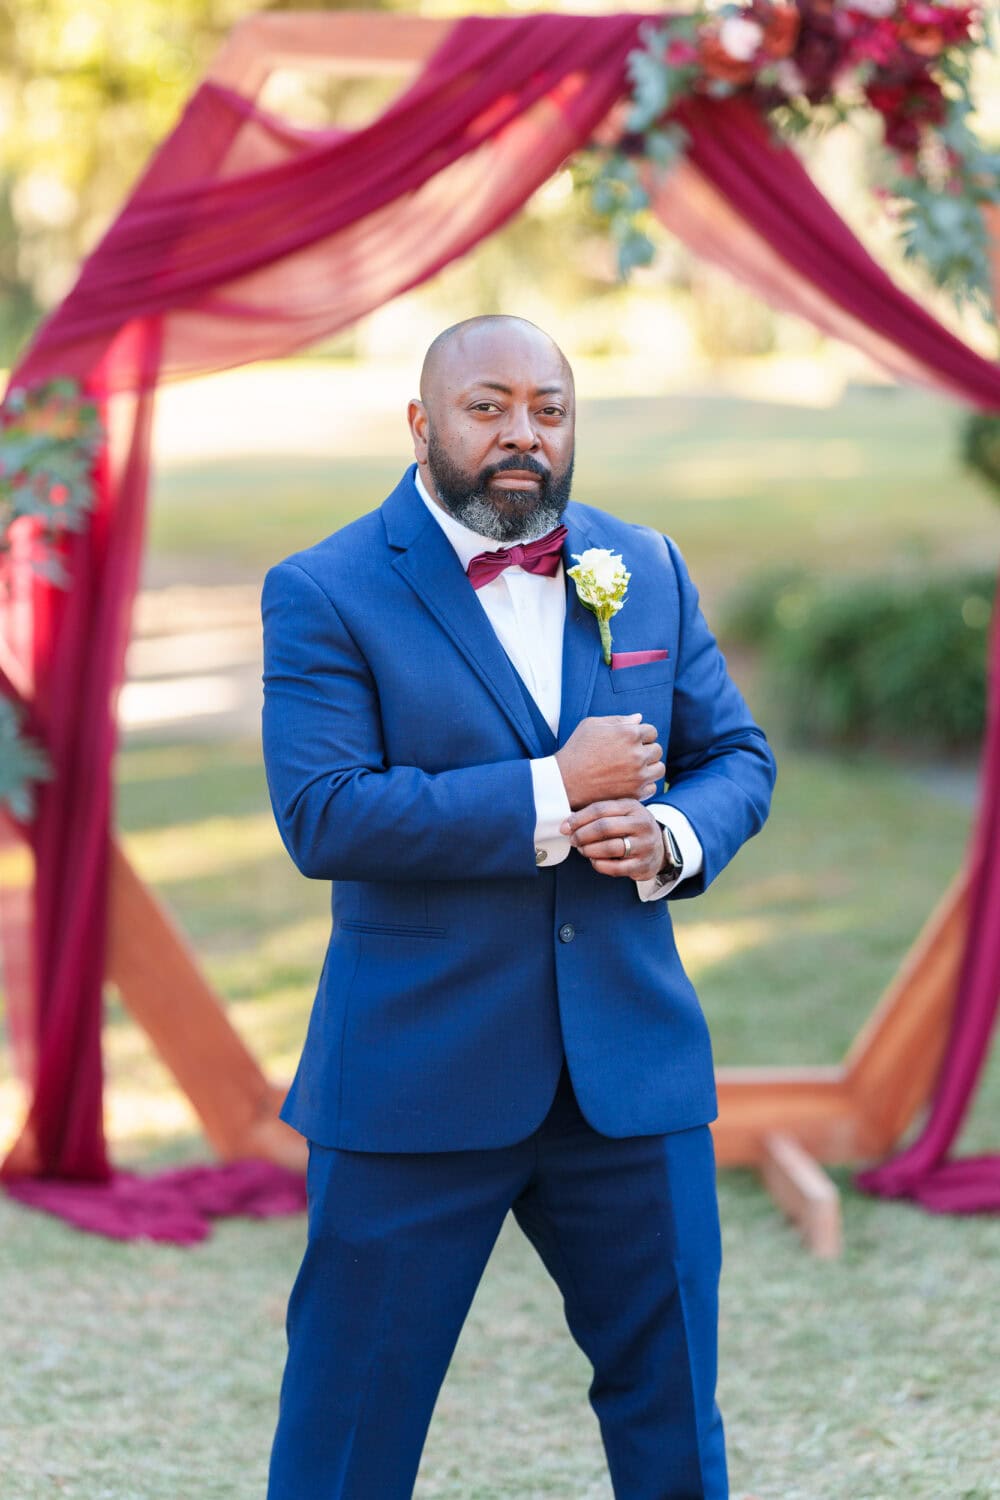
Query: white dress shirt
column 528, row 613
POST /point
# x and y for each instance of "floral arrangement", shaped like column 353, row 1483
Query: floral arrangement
column 601, row 579
column 49, row 439
column 809, row 65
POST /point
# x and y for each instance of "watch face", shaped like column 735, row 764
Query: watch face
column 674, row 858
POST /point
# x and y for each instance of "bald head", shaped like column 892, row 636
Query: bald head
column 493, row 429
column 477, row 340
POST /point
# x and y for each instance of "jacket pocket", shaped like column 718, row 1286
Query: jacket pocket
column 646, row 674
column 393, row 929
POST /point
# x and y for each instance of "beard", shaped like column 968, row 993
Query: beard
column 501, row 515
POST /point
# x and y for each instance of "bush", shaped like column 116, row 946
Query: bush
column 981, row 446
column 897, row 662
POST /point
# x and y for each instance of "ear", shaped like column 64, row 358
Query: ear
column 416, row 415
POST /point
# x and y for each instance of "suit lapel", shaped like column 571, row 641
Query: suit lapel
column 581, row 638
column 427, row 560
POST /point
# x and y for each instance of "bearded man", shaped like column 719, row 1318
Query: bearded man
column 504, row 806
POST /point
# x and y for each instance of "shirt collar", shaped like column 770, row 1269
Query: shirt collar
column 467, row 544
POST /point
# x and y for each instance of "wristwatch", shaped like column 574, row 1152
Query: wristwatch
column 673, row 861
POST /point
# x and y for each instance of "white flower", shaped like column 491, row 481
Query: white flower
column 601, row 571
column 740, row 37
column 601, row 579
column 789, row 77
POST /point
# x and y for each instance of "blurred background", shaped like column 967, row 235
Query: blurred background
column 847, row 560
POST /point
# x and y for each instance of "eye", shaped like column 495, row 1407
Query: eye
column 485, row 406
column 553, row 411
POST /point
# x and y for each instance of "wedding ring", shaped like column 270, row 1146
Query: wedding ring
column 628, row 846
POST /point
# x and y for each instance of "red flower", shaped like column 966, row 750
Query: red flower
column 887, row 98
column 876, row 42
column 781, row 25
column 953, row 21
column 908, row 109
column 717, row 63
column 928, row 29
column 680, row 53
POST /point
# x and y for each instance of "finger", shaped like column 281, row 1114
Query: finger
column 612, row 848
column 653, row 751
column 584, row 815
column 647, row 733
column 605, row 828
column 634, row 869
column 654, row 773
column 642, row 831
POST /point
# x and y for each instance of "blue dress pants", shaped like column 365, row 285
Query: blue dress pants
column 628, row 1230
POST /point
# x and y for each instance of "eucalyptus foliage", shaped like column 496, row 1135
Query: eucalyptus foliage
column 50, row 436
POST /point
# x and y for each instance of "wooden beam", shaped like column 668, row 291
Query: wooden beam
column 164, row 990
column 804, row 1191
column 343, row 44
column 814, row 1103
column 894, row 1061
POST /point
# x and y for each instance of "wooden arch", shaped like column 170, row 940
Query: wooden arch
column 783, row 1121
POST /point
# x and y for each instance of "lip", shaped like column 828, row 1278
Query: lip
column 515, row 478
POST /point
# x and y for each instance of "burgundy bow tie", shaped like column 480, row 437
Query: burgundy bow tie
column 542, row 556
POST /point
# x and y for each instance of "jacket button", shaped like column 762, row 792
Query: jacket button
column 541, row 855
column 567, row 933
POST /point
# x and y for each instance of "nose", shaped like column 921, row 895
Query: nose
column 519, row 434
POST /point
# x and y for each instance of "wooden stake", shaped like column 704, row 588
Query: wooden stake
column 799, row 1185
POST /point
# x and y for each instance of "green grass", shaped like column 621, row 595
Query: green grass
column 146, row 1373
column 874, row 481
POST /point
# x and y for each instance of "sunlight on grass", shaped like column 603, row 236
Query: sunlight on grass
column 17, row 867
column 213, row 846
column 702, row 944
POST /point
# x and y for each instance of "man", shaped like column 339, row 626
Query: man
column 502, row 1021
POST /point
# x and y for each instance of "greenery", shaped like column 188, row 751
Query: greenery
column 897, row 660
column 49, row 440
column 981, row 446
column 22, row 764
column 50, row 436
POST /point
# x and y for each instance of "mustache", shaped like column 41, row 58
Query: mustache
column 524, row 464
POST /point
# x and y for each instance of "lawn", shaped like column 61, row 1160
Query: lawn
column 145, row 1373
column 872, row 482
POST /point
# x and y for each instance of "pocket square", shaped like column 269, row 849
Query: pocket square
column 635, row 658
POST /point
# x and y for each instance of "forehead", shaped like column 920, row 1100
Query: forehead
column 514, row 359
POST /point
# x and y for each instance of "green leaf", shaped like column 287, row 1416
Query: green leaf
column 22, row 763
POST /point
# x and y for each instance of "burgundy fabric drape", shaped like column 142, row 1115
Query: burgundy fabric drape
column 247, row 239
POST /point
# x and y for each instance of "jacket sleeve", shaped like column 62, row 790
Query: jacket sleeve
column 720, row 769
column 342, row 812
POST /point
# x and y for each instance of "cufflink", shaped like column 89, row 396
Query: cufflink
column 541, row 855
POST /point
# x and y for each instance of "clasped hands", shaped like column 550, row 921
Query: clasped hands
column 608, row 765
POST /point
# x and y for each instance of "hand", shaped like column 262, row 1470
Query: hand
column 613, row 756
column 598, row 830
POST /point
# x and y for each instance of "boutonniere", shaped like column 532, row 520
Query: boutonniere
column 601, row 579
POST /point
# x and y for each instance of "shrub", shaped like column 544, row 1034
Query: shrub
column 899, row 662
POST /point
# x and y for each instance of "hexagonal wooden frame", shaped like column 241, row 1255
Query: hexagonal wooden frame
column 781, row 1120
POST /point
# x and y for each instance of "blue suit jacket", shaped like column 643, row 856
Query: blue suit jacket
column 397, row 743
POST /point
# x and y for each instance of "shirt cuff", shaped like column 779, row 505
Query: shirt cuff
column 551, row 811
column 688, row 843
